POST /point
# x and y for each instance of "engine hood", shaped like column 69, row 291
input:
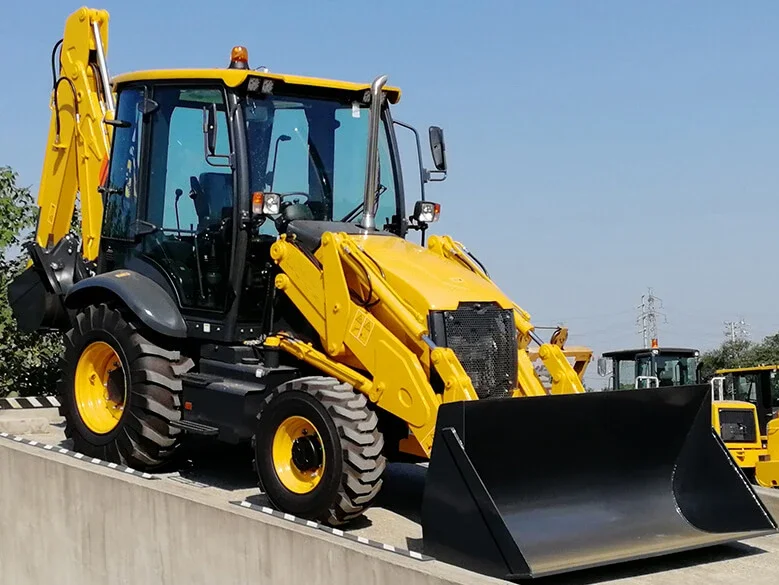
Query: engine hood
column 426, row 280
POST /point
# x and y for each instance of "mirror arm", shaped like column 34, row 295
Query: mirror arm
column 117, row 123
column 424, row 174
column 439, row 176
column 226, row 157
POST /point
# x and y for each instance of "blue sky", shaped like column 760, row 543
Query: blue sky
column 595, row 148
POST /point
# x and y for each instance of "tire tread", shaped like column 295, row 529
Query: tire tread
column 146, row 440
column 361, row 444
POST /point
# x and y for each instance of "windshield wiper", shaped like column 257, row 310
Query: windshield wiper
column 353, row 213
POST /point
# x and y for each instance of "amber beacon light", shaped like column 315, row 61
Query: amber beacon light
column 239, row 58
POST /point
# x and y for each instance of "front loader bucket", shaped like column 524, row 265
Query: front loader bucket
column 528, row 487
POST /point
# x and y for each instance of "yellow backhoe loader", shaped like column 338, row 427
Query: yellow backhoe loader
column 244, row 270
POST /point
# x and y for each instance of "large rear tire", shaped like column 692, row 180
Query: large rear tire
column 318, row 450
column 119, row 391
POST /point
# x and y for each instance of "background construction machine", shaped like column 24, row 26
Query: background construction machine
column 740, row 420
column 649, row 367
column 751, row 396
column 243, row 271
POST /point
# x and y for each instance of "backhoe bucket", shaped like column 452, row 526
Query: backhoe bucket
column 528, row 487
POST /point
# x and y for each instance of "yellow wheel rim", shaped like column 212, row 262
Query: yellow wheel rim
column 298, row 455
column 100, row 387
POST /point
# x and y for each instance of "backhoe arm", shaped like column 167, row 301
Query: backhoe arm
column 79, row 139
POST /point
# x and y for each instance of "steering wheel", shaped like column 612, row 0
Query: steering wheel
column 283, row 196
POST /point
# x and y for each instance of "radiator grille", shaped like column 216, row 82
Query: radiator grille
column 484, row 339
column 737, row 426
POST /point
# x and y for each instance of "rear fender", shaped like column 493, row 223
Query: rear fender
column 146, row 299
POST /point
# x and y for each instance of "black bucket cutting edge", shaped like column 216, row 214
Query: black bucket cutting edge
column 529, row 487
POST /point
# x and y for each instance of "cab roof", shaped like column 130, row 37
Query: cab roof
column 749, row 369
column 236, row 77
column 631, row 353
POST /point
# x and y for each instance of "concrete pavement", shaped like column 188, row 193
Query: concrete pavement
column 67, row 521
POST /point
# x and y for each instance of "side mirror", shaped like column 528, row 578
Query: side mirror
column 209, row 128
column 438, row 148
column 603, row 366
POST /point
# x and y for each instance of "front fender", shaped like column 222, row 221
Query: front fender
column 146, row 299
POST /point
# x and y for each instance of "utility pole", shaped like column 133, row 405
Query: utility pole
column 737, row 330
column 647, row 317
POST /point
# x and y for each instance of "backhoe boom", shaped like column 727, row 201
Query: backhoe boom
column 78, row 141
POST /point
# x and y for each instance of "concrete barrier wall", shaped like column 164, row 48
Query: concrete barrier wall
column 65, row 522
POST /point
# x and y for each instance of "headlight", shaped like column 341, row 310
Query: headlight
column 426, row 211
column 265, row 203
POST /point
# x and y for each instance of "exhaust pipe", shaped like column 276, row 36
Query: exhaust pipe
column 372, row 165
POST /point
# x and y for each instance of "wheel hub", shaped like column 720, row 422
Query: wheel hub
column 100, row 389
column 298, row 455
column 307, row 453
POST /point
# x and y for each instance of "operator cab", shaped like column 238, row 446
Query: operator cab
column 210, row 167
column 650, row 367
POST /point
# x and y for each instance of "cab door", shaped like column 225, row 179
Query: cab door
column 170, row 201
column 646, row 374
column 190, row 197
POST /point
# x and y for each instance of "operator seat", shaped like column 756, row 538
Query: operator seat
column 215, row 201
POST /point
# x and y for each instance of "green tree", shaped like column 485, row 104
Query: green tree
column 28, row 362
column 731, row 354
column 740, row 354
column 766, row 352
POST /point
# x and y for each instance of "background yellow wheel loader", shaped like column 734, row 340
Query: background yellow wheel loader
column 244, row 271
column 743, row 420
column 746, row 403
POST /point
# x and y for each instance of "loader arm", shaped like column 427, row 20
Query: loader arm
column 79, row 139
column 565, row 379
column 388, row 337
column 400, row 383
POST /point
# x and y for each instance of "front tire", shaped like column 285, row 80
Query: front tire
column 318, row 450
column 119, row 391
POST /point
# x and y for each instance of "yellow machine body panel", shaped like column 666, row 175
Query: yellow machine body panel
column 425, row 280
column 767, row 466
column 745, row 453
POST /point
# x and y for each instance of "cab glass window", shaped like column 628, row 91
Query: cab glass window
column 123, row 189
column 190, row 196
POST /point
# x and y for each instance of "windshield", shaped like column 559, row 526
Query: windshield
column 313, row 152
column 626, row 374
column 670, row 370
column 745, row 387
